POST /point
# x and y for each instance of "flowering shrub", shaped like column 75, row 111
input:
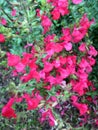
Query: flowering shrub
column 57, row 70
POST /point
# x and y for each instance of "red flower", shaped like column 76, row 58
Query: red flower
column 32, row 103
column 51, row 80
column 3, row 21
column 82, row 47
column 91, row 60
column 83, row 108
column 92, row 51
column 64, row 73
column 48, row 67
column 13, row 13
column 2, row 38
column 58, row 47
column 48, row 115
column 46, row 23
column 38, row 13
column 66, row 35
column 68, row 46
column 96, row 122
column 32, row 64
column 20, row 67
column 76, row 1
column 74, row 98
column 56, row 63
column 60, row 7
column 50, row 48
column 13, row 59
column 79, row 87
column 26, row 58
column 77, row 35
column 33, row 74
column 85, row 23
column 63, row 60
column 48, row 87
column 7, row 110
column 55, row 14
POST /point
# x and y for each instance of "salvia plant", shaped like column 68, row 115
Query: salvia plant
column 51, row 55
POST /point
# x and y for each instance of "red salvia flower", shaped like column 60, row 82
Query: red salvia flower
column 3, row 21
column 13, row 59
column 8, row 111
column 2, row 38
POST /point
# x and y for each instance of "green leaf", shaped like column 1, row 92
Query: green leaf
column 43, row 2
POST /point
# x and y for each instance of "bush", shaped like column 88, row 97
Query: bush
column 47, row 50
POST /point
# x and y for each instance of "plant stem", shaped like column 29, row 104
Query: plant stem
column 6, row 14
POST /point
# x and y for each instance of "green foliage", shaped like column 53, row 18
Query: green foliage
column 24, row 27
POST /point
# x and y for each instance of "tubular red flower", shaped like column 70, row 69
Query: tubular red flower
column 8, row 111
column 13, row 59
column 13, row 12
column 2, row 38
column 3, row 21
column 46, row 23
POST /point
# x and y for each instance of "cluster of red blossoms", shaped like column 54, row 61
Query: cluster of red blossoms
column 32, row 103
column 59, row 64
column 61, row 7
